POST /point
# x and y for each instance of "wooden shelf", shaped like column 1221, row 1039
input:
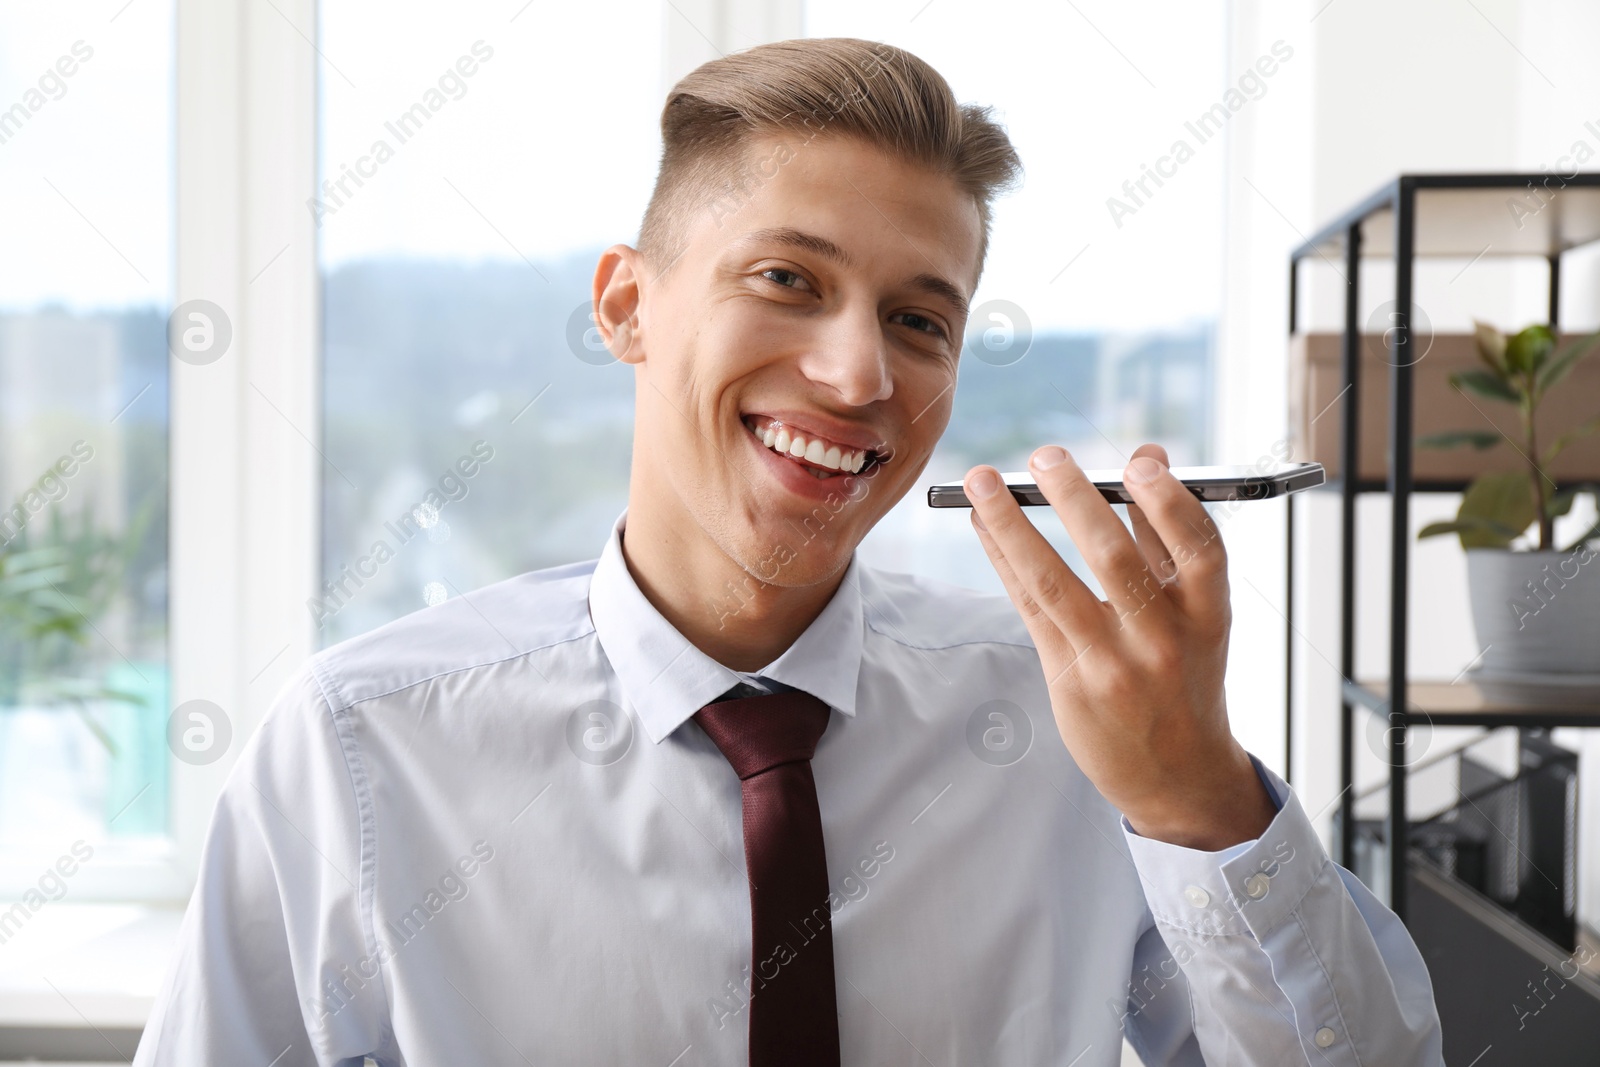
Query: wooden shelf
column 1462, row 704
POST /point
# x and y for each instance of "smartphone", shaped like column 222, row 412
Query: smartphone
column 1260, row 482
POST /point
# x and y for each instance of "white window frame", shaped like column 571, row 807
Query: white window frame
column 245, row 484
column 246, row 477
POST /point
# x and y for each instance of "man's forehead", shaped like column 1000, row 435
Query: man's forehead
column 830, row 186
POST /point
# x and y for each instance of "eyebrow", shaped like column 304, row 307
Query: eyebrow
column 937, row 286
column 932, row 284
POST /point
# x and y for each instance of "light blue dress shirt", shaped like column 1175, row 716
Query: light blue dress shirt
column 486, row 833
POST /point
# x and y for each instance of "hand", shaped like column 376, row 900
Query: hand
column 1136, row 682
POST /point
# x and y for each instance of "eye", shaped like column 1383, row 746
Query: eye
column 787, row 278
column 921, row 323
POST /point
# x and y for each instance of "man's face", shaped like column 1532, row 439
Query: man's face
column 824, row 302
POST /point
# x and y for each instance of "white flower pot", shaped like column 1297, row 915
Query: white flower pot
column 1537, row 614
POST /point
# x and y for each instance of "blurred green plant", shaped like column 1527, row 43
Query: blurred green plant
column 1498, row 507
column 50, row 594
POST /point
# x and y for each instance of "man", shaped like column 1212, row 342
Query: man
column 725, row 795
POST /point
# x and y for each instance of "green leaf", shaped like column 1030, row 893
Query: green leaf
column 1502, row 498
column 1485, row 383
column 96, row 729
column 1561, row 503
column 1528, row 348
column 1560, row 443
column 1563, row 361
column 1491, row 346
column 1475, row 533
column 1479, row 439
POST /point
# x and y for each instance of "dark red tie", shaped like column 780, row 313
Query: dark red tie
column 769, row 739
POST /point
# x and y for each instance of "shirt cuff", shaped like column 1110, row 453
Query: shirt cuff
column 1247, row 889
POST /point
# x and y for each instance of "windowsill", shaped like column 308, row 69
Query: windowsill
column 95, row 963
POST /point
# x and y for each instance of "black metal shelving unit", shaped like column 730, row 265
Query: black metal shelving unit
column 1416, row 216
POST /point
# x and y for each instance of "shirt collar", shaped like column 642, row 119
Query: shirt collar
column 666, row 679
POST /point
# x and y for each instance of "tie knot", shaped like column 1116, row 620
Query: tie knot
column 757, row 733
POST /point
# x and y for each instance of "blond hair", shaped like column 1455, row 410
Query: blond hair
column 839, row 86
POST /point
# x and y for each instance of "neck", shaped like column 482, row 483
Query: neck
column 723, row 610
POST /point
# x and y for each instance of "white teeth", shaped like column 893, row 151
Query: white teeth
column 777, row 437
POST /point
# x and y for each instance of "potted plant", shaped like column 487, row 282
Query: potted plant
column 53, row 589
column 1535, row 605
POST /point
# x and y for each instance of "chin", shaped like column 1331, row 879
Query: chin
column 793, row 548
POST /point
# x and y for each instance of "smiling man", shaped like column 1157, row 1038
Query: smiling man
column 725, row 795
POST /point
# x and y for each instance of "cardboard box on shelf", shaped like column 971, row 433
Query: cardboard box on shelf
column 1315, row 379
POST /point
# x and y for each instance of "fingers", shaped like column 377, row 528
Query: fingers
column 1129, row 581
column 1189, row 534
column 1046, row 634
column 1155, row 552
column 1042, row 578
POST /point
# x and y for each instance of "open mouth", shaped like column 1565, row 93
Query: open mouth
column 818, row 456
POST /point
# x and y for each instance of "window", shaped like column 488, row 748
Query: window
column 473, row 426
column 85, row 288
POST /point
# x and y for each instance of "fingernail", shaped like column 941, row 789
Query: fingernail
column 1048, row 456
column 1143, row 470
column 983, row 485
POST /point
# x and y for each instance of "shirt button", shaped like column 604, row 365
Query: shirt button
column 1196, row 896
column 1256, row 887
column 1324, row 1037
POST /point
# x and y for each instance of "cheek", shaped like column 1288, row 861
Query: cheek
column 928, row 387
column 737, row 338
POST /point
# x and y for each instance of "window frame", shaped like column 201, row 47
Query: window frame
column 243, row 516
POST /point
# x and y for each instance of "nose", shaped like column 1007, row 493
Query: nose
column 851, row 357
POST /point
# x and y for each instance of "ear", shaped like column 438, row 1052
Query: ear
column 618, row 281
